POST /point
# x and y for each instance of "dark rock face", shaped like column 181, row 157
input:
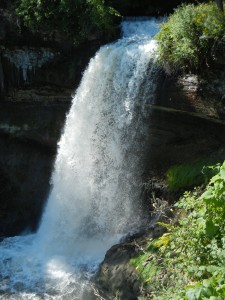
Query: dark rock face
column 28, row 139
column 38, row 66
column 146, row 7
column 180, row 137
column 116, row 277
column 39, row 72
column 203, row 96
column 25, row 171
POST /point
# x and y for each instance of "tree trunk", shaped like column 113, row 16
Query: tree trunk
column 220, row 4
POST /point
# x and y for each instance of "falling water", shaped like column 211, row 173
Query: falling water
column 95, row 182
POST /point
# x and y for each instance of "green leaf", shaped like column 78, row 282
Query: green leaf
column 215, row 178
column 194, row 292
column 222, row 172
column 208, row 195
column 211, row 229
column 212, row 268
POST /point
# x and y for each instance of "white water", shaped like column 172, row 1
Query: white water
column 96, row 182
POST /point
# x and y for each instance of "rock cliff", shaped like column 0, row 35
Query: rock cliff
column 38, row 74
column 146, row 7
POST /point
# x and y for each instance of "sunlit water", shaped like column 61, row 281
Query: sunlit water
column 94, row 200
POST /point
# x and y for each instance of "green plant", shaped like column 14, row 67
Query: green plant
column 190, row 257
column 78, row 19
column 192, row 38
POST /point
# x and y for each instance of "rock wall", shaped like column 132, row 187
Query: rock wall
column 39, row 72
column 201, row 95
column 28, row 138
column 38, row 66
column 146, row 7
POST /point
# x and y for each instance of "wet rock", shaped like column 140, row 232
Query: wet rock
column 116, row 276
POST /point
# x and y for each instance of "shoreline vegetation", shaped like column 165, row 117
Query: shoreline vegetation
column 187, row 262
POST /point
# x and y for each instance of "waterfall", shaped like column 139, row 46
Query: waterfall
column 97, row 174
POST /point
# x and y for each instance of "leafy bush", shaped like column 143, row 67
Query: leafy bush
column 189, row 260
column 192, row 38
column 78, row 19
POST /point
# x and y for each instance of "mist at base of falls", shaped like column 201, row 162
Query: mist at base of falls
column 96, row 181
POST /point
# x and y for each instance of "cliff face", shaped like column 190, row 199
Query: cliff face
column 38, row 66
column 28, row 139
column 200, row 95
column 38, row 74
column 146, row 7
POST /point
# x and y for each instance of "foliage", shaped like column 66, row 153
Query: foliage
column 192, row 38
column 78, row 19
column 190, row 257
column 189, row 175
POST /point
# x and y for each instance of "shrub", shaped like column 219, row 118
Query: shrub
column 192, row 38
column 188, row 261
column 78, row 19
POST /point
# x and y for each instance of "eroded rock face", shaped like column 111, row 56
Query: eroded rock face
column 116, row 277
column 178, row 137
column 25, row 171
column 28, row 140
column 200, row 95
column 38, row 66
column 39, row 72
column 146, row 7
